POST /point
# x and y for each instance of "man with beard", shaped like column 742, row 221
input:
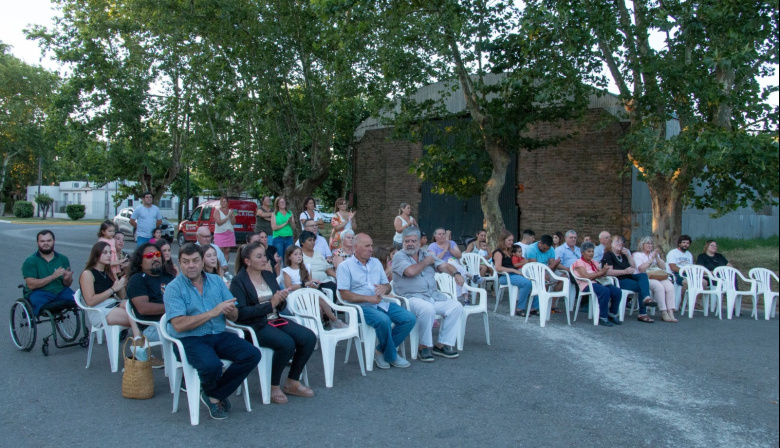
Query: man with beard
column 414, row 272
column 146, row 286
column 47, row 274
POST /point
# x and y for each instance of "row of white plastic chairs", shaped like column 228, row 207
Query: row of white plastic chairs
column 722, row 282
column 304, row 306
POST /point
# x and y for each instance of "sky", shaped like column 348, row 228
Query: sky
column 20, row 14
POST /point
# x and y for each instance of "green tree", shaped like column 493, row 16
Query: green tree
column 25, row 97
column 704, row 74
column 511, row 75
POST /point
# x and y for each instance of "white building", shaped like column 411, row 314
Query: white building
column 94, row 199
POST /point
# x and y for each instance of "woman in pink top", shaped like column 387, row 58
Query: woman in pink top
column 586, row 268
column 649, row 260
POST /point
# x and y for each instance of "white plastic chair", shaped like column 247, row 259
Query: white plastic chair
column 727, row 277
column 764, row 278
column 97, row 328
column 538, row 273
column 626, row 294
column 593, row 303
column 695, row 275
column 266, row 361
column 367, row 332
column 447, row 285
column 472, row 262
column 304, row 303
column 183, row 368
column 152, row 323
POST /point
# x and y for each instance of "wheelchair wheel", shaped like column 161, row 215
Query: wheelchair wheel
column 68, row 324
column 22, row 326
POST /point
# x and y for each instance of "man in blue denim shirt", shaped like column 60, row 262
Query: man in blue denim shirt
column 197, row 304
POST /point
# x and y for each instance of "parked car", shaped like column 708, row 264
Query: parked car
column 122, row 223
column 204, row 215
column 325, row 215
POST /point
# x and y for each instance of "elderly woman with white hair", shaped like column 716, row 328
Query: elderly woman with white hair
column 347, row 248
column 649, row 260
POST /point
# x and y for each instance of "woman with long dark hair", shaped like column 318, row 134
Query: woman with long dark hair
column 259, row 299
column 101, row 289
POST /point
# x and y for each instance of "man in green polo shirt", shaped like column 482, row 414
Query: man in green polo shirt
column 47, row 274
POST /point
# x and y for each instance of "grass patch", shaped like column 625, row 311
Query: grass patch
column 731, row 244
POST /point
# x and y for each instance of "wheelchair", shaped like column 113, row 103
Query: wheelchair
column 66, row 319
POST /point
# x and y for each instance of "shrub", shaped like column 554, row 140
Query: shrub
column 75, row 211
column 44, row 202
column 23, row 209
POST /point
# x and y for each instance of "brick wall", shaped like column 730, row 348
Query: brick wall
column 576, row 184
column 579, row 183
column 382, row 182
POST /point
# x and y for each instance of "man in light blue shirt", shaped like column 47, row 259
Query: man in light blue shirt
column 362, row 280
column 196, row 305
column 541, row 252
column 145, row 219
column 568, row 252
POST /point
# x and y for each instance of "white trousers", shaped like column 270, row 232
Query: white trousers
column 426, row 312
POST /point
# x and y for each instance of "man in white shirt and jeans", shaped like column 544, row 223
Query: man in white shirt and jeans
column 677, row 258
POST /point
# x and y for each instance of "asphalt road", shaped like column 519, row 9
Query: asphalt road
column 698, row 383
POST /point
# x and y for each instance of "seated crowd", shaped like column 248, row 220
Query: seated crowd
column 201, row 295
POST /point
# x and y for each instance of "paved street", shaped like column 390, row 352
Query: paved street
column 698, row 383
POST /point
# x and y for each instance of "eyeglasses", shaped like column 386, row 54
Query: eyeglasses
column 152, row 255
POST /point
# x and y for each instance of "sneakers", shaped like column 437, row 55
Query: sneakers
column 379, row 359
column 445, row 351
column 400, row 363
column 425, row 355
column 476, row 279
column 215, row 410
column 226, row 405
column 615, row 320
column 605, row 322
column 338, row 324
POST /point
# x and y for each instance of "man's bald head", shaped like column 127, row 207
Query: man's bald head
column 364, row 247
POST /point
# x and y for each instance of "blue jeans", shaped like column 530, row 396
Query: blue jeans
column 204, row 354
column 38, row 298
column 525, row 287
column 141, row 240
column 281, row 243
column 605, row 294
column 638, row 283
column 382, row 322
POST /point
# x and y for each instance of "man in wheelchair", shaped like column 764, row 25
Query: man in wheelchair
column 47, row 274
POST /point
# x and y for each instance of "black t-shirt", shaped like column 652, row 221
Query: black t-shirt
column 711, row 262
column 142, row 284
column 506, row 261
column 617, row 262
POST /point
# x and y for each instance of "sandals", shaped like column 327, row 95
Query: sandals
column 646, row 319
column 520, row 313
column 278, row 397
column 534, row 312
column 650, row 302
column 300, row 391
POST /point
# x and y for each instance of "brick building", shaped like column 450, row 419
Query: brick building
column 578, row 184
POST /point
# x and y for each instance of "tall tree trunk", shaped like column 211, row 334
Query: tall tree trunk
column 667, row 211
column 494, row 219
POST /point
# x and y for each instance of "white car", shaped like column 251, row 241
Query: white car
column 325, row 215
column 122, row 223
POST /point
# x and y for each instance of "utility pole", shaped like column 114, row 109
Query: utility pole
column 187, row 199
column 40, row 180
column 108, row 149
